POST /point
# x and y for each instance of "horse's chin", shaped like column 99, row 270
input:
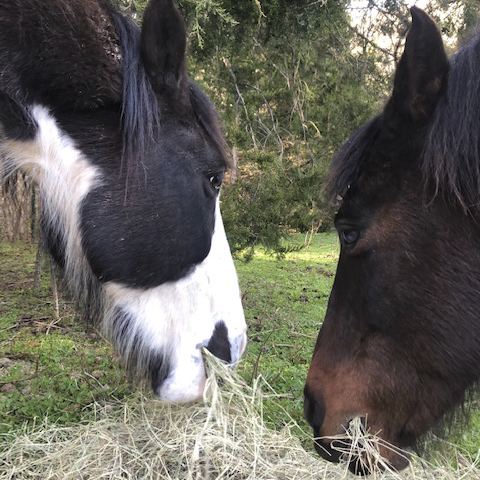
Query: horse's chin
column 183, row 386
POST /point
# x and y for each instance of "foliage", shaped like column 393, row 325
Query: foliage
column 265, row 206
column 289, row 93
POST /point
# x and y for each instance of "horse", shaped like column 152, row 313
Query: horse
column 128, row 157
column 400, row 344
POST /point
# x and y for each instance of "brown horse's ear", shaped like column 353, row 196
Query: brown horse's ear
column 163, row 45
column 421, row 74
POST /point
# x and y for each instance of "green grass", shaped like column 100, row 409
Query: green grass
column 50, row 365
column 285, row 302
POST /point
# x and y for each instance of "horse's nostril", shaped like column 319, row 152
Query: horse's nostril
column 358, row 448
column 313, row 410
column 359, row 467
column 352, row 450
column 325, row 450
column 159, row 368
column 356, row 427
column 219, row 344
column 239, row 346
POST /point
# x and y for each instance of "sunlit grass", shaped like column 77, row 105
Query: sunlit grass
column 285, row 302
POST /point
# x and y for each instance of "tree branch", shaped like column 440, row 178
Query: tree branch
column 371, row 42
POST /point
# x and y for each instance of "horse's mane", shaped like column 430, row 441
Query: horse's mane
column 451, row 159
column 451, row 155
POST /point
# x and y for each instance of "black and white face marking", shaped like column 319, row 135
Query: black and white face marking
column 165, row 263
column 175, row 320
column 164, row 227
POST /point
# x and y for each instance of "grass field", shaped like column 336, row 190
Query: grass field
column 50, row 366
column 285, row 302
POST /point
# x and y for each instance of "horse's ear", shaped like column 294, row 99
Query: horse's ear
column 421, row 74
column 163, row 44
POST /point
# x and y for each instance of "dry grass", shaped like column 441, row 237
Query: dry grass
column 223, row 437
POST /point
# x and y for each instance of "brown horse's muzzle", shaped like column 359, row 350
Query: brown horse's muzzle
column 334, row 444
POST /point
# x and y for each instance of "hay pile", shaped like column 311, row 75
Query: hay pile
column 223, row 438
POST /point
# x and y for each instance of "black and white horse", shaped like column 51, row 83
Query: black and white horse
column 129, row 159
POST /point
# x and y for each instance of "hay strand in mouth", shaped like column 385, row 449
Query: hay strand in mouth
column 223, row 437
column 360, row 446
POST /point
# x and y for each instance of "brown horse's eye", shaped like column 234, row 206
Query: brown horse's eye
column 349, row 237
column 216, row 181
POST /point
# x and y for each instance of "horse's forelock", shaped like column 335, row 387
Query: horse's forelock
column 141, row 116
column 351, row 157
column 140, row 109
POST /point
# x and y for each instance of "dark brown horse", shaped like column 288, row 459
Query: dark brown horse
column 400, row 344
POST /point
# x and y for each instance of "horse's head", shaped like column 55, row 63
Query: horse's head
column 159, row 249
column 400, row 341
column 130, row 184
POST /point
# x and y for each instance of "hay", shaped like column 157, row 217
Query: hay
column 223, row 437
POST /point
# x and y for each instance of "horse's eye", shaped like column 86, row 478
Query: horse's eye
column 216, row 181
column 349, row 236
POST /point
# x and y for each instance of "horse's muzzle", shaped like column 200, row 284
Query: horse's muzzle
column 186, row 381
